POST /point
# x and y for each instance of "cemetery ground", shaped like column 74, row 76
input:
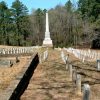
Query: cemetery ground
column 51, row 80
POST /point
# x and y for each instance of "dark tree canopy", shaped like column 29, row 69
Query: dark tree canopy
column 69, row 26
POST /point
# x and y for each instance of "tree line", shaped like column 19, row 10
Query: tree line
column 69, row 25
column 14, row 24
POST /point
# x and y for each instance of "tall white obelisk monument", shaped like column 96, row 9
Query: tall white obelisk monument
column 47, row 40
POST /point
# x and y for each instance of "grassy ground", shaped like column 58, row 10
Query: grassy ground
column 7, row 74
column 50, row 81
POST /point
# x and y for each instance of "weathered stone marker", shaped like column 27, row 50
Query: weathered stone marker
column 74, row 75
column 78, row 83
column 67, row 66
column 86, row 92
column 70, row 72
column 67, row 58
column 98, row 65
column 63, row 56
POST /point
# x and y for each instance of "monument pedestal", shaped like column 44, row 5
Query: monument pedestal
column 47, row 43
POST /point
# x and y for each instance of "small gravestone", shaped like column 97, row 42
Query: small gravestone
column 67, row 58
column 13, row 51
column 3, row 52
column 67, row 66
column 8, row 51
column 17, row 51
column 74, row 75
column 78, row 83
column 86, row 92
column 70, row 72
column 98, row 65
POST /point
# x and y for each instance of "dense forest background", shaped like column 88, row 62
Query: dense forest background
column 69, row 25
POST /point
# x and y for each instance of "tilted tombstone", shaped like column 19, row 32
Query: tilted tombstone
column 86, row 92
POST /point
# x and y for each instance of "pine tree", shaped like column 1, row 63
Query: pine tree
column 21, row 20
column 3, row 21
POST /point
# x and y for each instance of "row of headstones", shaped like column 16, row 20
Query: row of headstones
column 84, row 57
column 76, row 78
column 43, row 56
column 18, row 50
column 87, row 55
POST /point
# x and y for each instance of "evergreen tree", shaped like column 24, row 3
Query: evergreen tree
column 69, row 6
column 3, row 21
column 39, row 20
column 22, row 24
column 89, row 9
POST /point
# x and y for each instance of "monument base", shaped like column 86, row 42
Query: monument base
column 47, row 43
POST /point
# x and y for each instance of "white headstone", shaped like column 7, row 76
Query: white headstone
column 86, row 92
